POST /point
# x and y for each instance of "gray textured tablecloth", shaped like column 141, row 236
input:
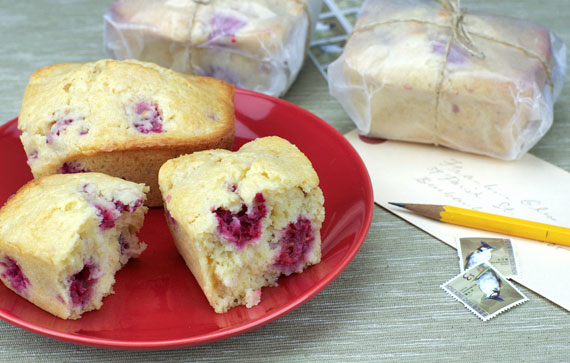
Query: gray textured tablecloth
column 387, row 305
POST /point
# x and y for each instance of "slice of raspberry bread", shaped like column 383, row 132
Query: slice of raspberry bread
column 63, row 238
column 242, row 219
column 122, row 118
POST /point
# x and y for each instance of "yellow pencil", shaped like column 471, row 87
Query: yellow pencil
column 492, row 222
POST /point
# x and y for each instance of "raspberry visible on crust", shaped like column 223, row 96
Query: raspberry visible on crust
column 149, row 118
column 57, row 128
column 224, row 26
column 108, row 210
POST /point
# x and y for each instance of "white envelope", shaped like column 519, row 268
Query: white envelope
column 529, row 188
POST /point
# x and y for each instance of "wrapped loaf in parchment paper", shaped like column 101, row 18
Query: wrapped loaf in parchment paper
column 254, row 44
column 428, row 71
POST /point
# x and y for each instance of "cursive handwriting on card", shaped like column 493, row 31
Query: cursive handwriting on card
column 450, row 180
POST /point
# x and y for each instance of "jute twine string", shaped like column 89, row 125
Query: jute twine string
column 464, row 38
column 209, row 2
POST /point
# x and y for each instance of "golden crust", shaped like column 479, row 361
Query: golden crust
column 36, row 206
column 134, row 164
column 100, row 98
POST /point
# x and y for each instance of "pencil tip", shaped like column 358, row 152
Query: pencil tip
column 401, row 205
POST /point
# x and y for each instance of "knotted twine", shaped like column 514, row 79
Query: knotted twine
column 460, row 35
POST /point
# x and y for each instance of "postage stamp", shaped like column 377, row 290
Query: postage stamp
column 484, row 291
column 499, row 252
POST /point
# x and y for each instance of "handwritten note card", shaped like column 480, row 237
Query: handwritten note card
column 529, row 188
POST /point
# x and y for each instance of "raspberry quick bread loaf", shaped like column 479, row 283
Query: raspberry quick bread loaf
column 63, row 238
column 121, row 118
column 242, row 219
column 492, row 97
column 254, row 44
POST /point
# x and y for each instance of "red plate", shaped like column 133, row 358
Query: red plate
column 157, row 303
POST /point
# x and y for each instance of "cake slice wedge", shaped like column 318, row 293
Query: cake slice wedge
column 63, row 237
column 242, row 219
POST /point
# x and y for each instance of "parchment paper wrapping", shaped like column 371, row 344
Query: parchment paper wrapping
column 254, row 44
column 428, row 71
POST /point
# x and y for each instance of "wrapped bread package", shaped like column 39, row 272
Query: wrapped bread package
column 255, row 44
column 428, row 71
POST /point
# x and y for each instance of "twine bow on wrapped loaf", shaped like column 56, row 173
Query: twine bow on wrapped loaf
column 481, row 40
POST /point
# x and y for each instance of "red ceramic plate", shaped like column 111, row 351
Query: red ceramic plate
column 157, row 303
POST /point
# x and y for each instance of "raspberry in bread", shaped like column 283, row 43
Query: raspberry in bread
column 122, row 118
column 242, row 219
column 63, row 238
